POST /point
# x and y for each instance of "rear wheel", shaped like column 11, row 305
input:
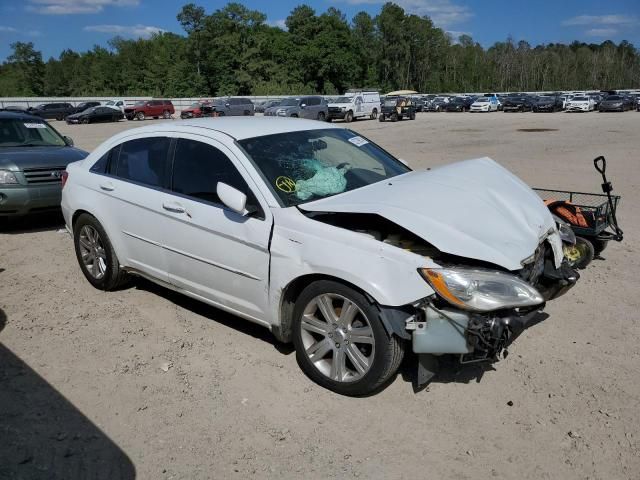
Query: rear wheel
column 85, row 121
column 166, row 114
column 321, row 116
column 412, row 116
column 374, row 114
column 95, row 254
column 381, row 118
column 394, row 117
column 340, row 340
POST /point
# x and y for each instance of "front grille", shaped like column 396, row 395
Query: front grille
column 40, row 176
column 335, row 109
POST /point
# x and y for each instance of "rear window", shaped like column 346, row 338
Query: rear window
column 144, row 161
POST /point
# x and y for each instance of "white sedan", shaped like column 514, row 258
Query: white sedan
column 321, row 236
column 580, row 104
column 484, row 104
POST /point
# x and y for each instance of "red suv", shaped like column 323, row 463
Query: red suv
column 150, row 108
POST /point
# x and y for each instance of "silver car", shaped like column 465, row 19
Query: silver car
column 312, row 108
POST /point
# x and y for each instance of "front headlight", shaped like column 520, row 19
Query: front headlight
column 481, row 290
column 7, row 177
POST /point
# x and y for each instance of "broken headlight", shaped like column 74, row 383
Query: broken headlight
column 481, row 290
column 565, row 230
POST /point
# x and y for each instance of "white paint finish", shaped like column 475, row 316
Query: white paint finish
column 474, row 209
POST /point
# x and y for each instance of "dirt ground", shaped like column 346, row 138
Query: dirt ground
column 146, row 383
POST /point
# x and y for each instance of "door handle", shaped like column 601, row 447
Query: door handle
column 173, row 207
column 107, row 187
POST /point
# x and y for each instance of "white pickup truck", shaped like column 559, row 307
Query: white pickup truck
column 355, row 104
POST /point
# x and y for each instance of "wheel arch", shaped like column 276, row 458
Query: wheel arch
column 392, row 317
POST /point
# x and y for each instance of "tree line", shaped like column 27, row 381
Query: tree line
column 234, row 51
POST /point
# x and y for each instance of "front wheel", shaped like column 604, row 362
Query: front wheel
column 348, row 117
column 95, row 254
column 394, row 117
column 340, row 340
column 166, row 114
column 140, row 116
column 381, row 118
column 321, row 117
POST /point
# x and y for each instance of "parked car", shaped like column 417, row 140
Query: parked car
column 33, row 156
column 150, row 108
column 116, row 104
column 418, row 102
column 260, row 108
column 437, row 104
column 312, row 108
column 197, row 110
column 52, row 110
column 232, row 106
column 517, row 104
column 14, row 108
column 615, row 103
column 459, row 104
column 484, row 104
column 396, row 108
column 353, row 105
column 95, row 115
column 548, row 103
column 271, row 111
column 318, row 234
column 580, row 104
column 81, row 107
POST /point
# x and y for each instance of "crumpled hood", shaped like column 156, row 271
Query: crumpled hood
column 34, row 157
column 474, row 209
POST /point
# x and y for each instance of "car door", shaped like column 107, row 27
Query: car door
column 214, row 252
column 135, row 197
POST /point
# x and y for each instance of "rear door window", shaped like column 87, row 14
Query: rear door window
column 144, row 161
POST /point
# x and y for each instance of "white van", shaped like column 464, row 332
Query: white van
column 355, row 104
column 118, row 104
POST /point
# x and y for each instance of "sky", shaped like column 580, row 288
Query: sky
column 55, row 25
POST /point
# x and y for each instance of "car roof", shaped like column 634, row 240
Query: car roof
column 19, row 116
column 238, row 128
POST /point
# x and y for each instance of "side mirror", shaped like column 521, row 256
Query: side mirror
column 232, row 198
column 227, row 105
column 303, row 105
column 68, row 141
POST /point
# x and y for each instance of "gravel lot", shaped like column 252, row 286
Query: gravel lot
column 144, row 382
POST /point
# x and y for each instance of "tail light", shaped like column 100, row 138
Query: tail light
column 64, row 176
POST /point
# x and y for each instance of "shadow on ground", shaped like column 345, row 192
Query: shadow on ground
column 40, row 222
column 220, row 316
column 43, row 436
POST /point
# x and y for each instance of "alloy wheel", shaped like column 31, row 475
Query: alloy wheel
column 337, row 338
column 92, row 252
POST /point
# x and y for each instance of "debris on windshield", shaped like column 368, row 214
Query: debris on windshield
column 325, row 181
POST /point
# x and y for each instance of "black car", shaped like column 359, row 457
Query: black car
column 14, row 108
column 52, row 110
column 458, row 104
column 437, row 104
column 418, row 103
column 615, row 103
column 81, row 107
column 517, row 104
column 95, row 115
column 33, row 158
column 548, row 103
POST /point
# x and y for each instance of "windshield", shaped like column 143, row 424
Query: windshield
column 390, row 101
column 195, row 105
column 440, row 99
column 290, row 102
column 110, row 102
column 309, row 165
column 614, row 97
column 26, row 132
column 483, row 99
column 580, row 99
column 342, row 100
column 141, row 102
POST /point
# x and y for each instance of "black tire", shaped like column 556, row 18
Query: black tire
column 581, row 254
column 348, row 117
column 386, row 356
column 321, row 117
column 59, row 117
column 166, row 114
column 374, row 114
column 114, row 277
column 599, row 246
column 86, row 121
column 394, row 117
column 412, row 116
column 381, row 118
column 139, row 116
